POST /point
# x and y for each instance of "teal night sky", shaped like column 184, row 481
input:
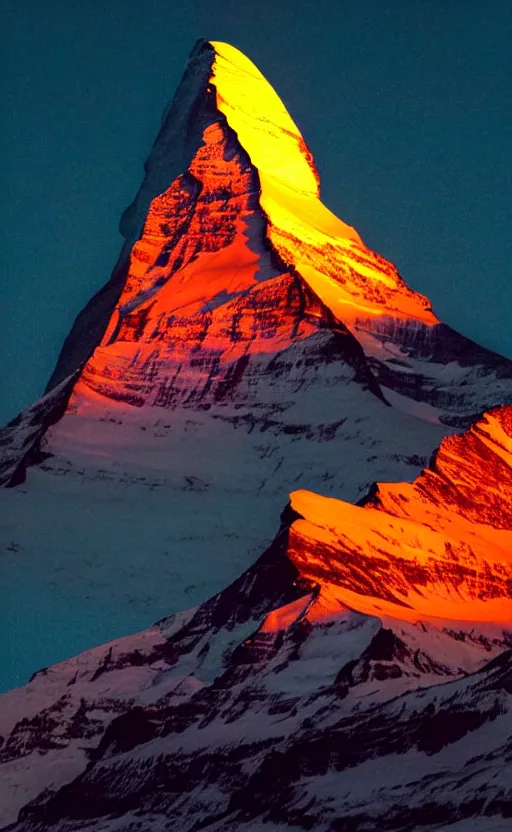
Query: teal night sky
column 406, row 105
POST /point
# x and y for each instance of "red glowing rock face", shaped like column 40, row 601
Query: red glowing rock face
column 439, row 548
column 203, row 293
column 471, row 476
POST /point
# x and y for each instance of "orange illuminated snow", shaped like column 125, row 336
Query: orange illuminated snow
column 330, row 255
column 440, row 547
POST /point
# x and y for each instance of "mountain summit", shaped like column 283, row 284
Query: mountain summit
column 231, row 259
column 234, row 254
column 249, row 352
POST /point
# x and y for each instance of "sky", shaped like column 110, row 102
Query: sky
column 406, row 105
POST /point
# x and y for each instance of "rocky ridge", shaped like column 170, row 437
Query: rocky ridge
column 325, row 659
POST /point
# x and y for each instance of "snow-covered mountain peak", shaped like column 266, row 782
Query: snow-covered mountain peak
column 231, row 256
column 230, row 199
column 262, row 123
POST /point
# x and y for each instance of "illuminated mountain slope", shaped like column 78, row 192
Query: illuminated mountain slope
column 356, row 674
column 329, row 254
column 440, row 547
column 408, row 348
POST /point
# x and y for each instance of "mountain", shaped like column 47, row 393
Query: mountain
column 357, row 677
column 249, row 346
column 215, row 245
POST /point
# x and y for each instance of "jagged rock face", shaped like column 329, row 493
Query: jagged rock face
column 181, row 501
column 19, row 441
column 345, row 773
column 248, row 344
column 319, row 689
column 205, row 299
column 433, row 365
column 440, row 547
column 218, row 379
column 469, row 478
column 231, row 259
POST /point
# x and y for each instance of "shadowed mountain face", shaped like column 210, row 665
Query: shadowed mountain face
column 248, row 346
